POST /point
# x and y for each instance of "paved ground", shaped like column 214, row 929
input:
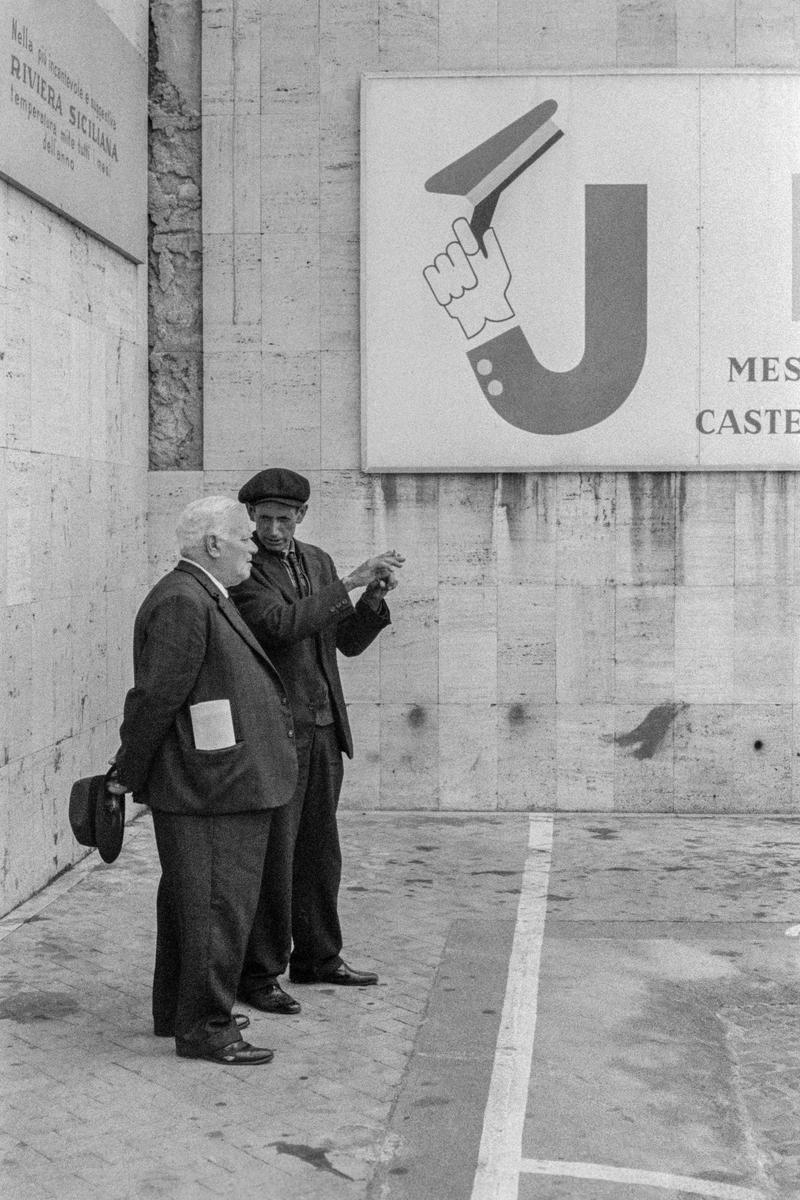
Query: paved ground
column 639, row 976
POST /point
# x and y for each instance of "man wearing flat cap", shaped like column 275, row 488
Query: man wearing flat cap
column 299, row 608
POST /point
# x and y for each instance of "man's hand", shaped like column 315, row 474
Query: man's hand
column 113, row 784
column 375, row 571
column 470, row 285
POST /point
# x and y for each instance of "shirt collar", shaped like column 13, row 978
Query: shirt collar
column 215, row 581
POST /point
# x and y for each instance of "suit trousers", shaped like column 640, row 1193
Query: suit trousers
column 212, row 869
column 297, row 912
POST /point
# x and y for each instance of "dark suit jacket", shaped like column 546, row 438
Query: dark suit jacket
column 191, row 645
column 281, row 620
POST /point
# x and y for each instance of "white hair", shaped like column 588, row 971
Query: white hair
column 211, row 514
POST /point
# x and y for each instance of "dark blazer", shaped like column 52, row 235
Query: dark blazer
column 281, row 620
column 191, row 645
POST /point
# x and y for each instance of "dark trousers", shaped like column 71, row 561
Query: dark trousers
column 212, row 869
column 297, row 910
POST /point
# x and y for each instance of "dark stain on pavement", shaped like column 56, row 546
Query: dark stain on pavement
column 496, row 871
column 26, row 1007
column 313, row 1155
column 602, row 832
column 649, row 733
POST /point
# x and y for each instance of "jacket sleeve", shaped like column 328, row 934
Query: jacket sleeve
column 167, row 665
column 360, row 629
column 277, row 622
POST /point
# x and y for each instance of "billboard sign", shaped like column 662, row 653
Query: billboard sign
column 564, row 272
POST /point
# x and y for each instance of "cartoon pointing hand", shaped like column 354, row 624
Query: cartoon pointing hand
column 469, row 284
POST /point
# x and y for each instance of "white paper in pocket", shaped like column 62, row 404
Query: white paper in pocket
column 212, row 725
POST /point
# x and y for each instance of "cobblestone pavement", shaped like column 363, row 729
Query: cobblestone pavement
column 94, row 1106
column 378, row 1093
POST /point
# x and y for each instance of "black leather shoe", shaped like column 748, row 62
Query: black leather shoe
column 237, row 1054
column 273, row 999
column 343, row 975
column 241, row 1020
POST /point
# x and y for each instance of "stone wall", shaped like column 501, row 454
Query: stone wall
column 73, row 493
column 598, row 641
column 176, row 272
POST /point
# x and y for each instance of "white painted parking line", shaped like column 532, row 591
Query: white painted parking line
column 500, row 1154
column 658, row 1179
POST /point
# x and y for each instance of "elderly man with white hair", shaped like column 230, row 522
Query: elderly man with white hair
column 207, row 741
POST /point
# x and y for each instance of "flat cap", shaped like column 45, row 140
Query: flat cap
column 275, row 483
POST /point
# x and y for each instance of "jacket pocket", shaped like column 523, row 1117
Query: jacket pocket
column 222, row 778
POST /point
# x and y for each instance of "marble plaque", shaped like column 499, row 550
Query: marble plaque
column 73, row 117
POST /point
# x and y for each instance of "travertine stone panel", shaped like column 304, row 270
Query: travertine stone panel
column 409, row 750
column 764, row 640
column 466, row 550
column 706, row 33
column 644, row 757
column 586, row 536
column 526, row 528
column 765, row 33
column 467, row 645
column 645, row 528
column 584, row 645
column 290, row 410
column 291, row 294
column 526, row 644
column 17, row 734
column 467, row 756
column 409, row 35
column 646, row 33
column 765, row 528
column 3, row 529
column 19, row 529
column 406, row 519
column 548, row 35
column 340, row 388
column 526, row 757
column 704, row 644
column 170, row 492
column 290, row 183
column 218, row 62
column 705, row 529
column 409, row 649
column 468, row 34
column 235, row 374
column 585, row 756
column 217, row 173
column 718, row 762
column 644, row 640
column 362, row 778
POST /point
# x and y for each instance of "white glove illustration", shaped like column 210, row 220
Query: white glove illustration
column 471, row 286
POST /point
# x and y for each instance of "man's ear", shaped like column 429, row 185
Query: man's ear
column 301, row 512
column 211, row 543
column 251, row 512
